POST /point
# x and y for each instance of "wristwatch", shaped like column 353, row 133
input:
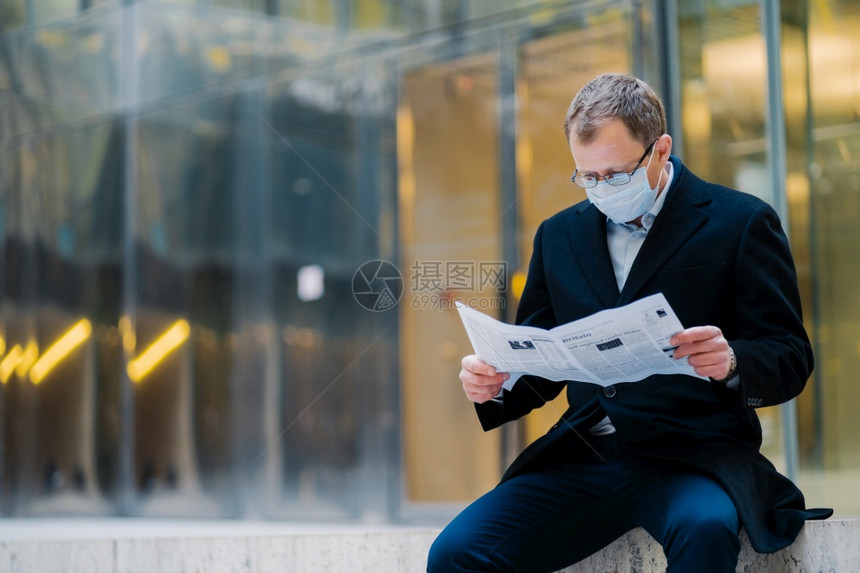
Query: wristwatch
column 733, row 368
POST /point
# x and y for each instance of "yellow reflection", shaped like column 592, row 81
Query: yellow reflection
column 159, row 350
column 697, row 111
column 518, row 284
column 407, row 183
column 525, row 154
column 73, row 338
column 2, row 346
column 31, row 354
column 8, row 364
column 129, row 341
column 219, row 58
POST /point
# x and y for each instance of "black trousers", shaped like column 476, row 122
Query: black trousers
column 552, row 518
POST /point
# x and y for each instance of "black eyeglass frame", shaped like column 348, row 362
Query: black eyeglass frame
column 620, row 178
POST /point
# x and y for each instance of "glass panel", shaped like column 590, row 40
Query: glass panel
column 12, row 15
column 186, row 49
column 328, row 210
column 450, row 226
column 832, row 455
column 373, row 14
column 723, row 117
column 723, row 107
column 59, row 309
column 50, row 10
column 795, row 99
column 479, row 8
column 252, row 393
column 180, row 363
column 79, row 55
column 316, row 11
column 249, row 5
column 553, row 70
column 20, row 465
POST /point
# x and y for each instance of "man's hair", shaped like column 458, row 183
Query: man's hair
column 616, row 96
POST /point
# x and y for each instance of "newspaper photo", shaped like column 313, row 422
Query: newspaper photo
column 625, row 344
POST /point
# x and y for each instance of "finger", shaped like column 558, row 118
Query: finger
column 706, row 347
column 481, row 380
column 694, row 334
column 484, row 394
column 478, row 367
column 711, row 371
column 706, row 359
column 712, row 364
column 714, row 343
column 474, row 364
column 473, row 389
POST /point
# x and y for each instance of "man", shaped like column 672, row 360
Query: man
column 674, row 454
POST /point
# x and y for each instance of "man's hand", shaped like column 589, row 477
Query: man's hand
column 707, row 350
column 481, row 382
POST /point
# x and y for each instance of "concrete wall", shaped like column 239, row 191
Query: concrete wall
column 120, row 546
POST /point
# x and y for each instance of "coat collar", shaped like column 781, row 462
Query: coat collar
column 586, row 232
column 680, row 217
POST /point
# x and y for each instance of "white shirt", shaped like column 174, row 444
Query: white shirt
column 624, row 241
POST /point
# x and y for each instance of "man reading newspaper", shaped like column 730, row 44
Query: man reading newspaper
column 675, row 454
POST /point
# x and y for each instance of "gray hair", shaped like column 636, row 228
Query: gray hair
column 616, row 96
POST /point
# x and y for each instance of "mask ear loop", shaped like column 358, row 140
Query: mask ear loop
column 659, row 177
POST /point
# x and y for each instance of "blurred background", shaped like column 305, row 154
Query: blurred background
column 191, row 192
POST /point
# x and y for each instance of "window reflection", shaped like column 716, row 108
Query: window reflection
column 59, row 409
column 723, row 119
column 157, row 343
column 832, row 458
column 554, row 68
column 449, row 192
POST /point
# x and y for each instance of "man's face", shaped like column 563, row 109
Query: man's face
column 614, row 150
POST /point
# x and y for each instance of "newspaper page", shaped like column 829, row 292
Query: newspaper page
column 625, row 344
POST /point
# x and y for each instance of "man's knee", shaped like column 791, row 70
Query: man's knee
column 709, row 540
column 704, row 511
column 450, row 553
column 713, row 526
column 708, row 522
column 441, row 555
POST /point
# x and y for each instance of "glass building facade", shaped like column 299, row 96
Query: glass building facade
column 233, row 230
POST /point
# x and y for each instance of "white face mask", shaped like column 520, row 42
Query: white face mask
column 624, row 203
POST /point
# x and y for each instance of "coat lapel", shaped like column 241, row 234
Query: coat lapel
column 680, row 217
column 587, row 236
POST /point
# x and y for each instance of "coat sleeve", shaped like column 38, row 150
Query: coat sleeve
column 529, row 392
column 767, row 333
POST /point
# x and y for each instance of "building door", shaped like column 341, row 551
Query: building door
column 482, row 161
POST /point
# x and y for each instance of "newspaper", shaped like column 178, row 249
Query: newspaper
column 624, row 344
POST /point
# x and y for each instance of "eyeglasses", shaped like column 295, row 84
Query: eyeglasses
column 621, row 178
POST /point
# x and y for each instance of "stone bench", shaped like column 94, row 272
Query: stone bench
column 822, row 546
column 167, row 546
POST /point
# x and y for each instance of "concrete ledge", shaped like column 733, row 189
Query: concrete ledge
column 166, row 546
column 832, row 545
column 131, row 546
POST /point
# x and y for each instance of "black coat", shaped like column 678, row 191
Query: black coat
column 721, row 258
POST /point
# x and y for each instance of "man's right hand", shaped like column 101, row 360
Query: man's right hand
column 481, row 382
